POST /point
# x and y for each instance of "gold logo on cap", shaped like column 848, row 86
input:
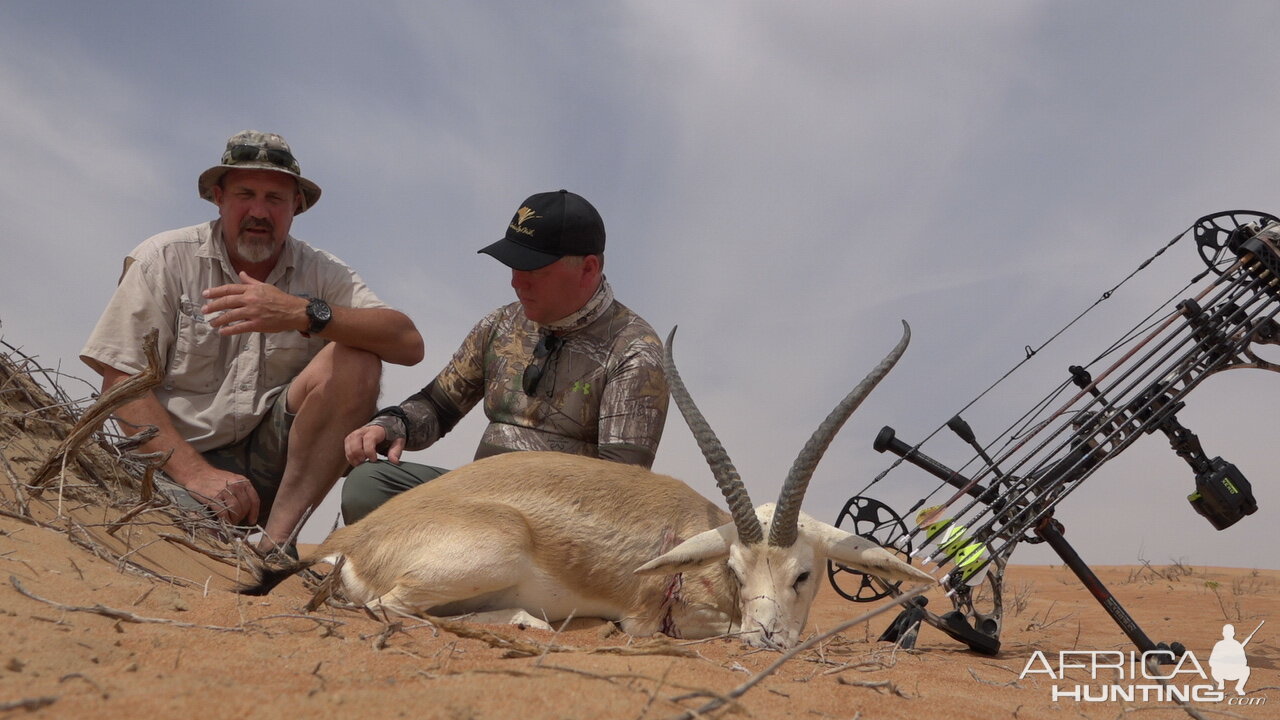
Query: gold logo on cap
column 524, row 215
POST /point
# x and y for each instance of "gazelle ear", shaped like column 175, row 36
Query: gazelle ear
column 858, row 553
column 701, row 549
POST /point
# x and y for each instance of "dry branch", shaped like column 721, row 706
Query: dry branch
column 326, row 588
column 24, row 518
column 29, row 704
column 121, row 615
column 517, row 648
column 652, row 647
column 226, row 557
column 992, row 683
column 327, row 623
column 127, row 518
column 513, row 646
column 18, row 496
column 122, row 393
column 739, row 691
column 886, row 685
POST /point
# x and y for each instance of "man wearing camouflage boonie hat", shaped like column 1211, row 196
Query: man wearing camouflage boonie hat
column 272, row 350
column 566, row 368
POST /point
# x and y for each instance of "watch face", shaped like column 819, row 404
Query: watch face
column 320, row 314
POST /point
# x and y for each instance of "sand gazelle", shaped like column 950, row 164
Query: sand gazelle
column 550, row 535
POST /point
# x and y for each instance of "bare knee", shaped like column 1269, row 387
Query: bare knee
column 343, row 380
column 360, row 368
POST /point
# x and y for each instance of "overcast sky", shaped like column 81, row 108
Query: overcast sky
column 785, row 181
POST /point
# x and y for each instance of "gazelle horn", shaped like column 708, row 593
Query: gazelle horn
column 727, row 478
column 783, row 530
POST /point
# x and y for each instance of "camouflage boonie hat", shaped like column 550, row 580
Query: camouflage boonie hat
column 253, row 150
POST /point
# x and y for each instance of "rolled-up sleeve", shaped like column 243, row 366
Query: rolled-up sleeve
column 138, row 304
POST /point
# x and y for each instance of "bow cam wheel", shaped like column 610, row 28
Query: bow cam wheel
column 1212, row 233
column 871, row 519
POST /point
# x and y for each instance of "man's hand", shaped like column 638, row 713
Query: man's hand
column 254, row 307
column 362, row 445
column 229, row 495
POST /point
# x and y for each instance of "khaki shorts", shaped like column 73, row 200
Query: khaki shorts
column 261, row 457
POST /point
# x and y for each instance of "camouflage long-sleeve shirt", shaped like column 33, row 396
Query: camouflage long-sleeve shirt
column 603, row 392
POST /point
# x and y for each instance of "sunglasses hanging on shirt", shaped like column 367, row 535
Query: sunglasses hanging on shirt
column 542, row 352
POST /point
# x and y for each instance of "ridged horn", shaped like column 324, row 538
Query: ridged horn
column 784, row 528
column 727, row 478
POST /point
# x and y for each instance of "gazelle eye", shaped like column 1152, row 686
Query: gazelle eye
column 801, row 579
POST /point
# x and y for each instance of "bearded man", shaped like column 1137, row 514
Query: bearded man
column 272, row 349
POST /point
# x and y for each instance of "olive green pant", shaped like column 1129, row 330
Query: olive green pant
column 261, row 457
column 371, row 484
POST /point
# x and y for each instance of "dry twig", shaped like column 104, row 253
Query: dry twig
column 651, row 647
column 992, row 683
column 229, row 558
column 29, row 704
column 787, row 656
column 885, row 685
column 654, row 694
column 115, row 614
column 513, row 646
column 326, row 587
column 17, row 485
column 151, row 462
column 121, row 393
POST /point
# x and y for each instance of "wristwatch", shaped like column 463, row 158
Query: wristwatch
column 318, row 313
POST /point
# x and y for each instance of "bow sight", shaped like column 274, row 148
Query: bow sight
column 1009, row 494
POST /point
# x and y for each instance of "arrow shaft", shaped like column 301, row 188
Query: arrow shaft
column 1091, row 387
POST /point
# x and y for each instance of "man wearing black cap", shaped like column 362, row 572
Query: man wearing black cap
column 566, row 368
column 272, row 350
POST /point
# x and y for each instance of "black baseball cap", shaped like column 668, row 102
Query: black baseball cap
column 547, row 227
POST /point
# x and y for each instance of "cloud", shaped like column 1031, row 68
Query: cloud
column 783, row 183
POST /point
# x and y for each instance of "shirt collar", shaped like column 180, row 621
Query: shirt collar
column 587, row 314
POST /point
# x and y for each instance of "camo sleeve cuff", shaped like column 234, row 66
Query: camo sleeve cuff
column 627, row 454
column 394, row 427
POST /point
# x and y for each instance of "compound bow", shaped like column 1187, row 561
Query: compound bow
column 1009, row 498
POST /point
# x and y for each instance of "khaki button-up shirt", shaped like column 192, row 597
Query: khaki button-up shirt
column 216, row 388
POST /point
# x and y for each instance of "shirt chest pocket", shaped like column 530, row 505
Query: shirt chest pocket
column 285, row 354
column 197, row 365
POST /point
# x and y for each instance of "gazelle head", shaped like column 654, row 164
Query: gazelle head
column 777, row 576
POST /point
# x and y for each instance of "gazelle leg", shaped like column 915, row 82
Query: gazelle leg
column 515, row 616
column 454, row 577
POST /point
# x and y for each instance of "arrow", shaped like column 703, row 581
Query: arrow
column 952, row 541
column 1091, row 387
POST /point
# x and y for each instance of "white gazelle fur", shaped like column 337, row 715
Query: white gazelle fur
column 536, row 537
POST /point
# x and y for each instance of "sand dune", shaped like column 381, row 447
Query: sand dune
column 103, row 619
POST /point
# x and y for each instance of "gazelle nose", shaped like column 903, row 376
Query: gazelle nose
column 771, row 638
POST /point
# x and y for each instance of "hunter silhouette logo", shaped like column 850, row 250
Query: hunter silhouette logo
column 1090, row 676
column 1227, row 661
column 523, row 215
